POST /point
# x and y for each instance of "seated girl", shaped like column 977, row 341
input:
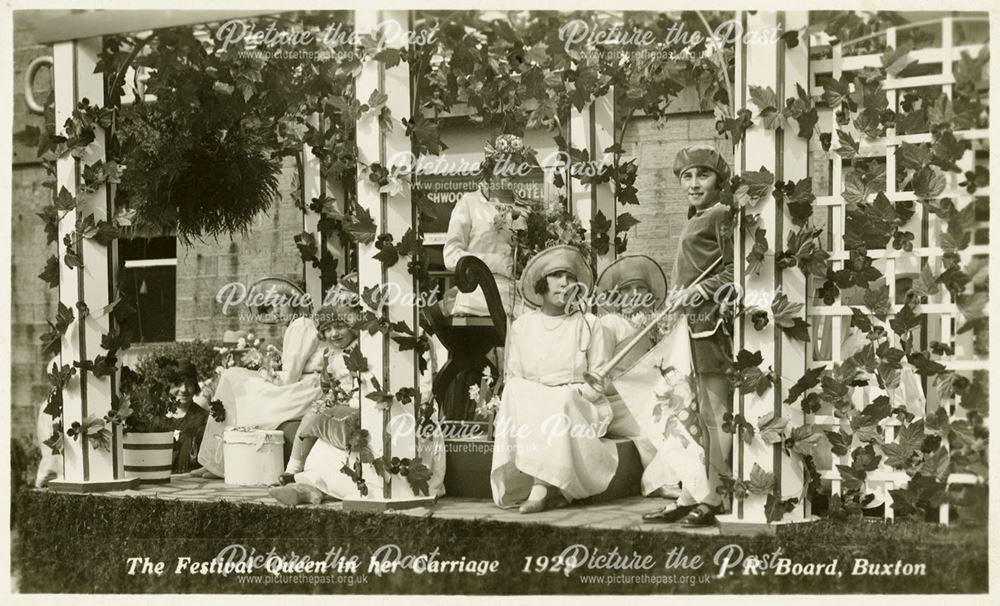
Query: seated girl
column 251, row 400
column 549, row 426
column 321, row 451
column 336, row 323
column 630, row 290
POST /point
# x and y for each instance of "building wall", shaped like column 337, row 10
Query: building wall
column 662, row 208
column 205, row 267
column 32, row 302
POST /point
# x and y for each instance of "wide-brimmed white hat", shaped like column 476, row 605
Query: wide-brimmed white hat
column 557, row 258
column 631, row 269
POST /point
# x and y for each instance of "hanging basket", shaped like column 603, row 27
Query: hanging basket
column 149, row 456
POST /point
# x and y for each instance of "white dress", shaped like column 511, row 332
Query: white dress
column 252, row 401
column 550, row 423
column 655, row 474
column 471, row 232
column 322, row 468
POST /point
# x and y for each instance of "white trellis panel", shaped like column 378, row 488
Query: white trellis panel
column 785, row 155
column 393, row 214
column 86, row 467
column 312, row 187
column 832, row 321
column 592, row 129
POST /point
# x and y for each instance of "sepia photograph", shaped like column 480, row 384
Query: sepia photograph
column 490, row 301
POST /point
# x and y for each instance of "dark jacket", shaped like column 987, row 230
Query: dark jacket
column 707, row 235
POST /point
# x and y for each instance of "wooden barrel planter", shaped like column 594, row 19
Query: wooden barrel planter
column 149, row 456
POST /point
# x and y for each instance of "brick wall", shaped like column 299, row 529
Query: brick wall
column 204, row 267
column 662, row 207
column 32, row 302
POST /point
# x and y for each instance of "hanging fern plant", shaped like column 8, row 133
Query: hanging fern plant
column 208, row 181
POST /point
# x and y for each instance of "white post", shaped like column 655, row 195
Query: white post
column 394, row 369
column 87, row 467
column 592, row 129
column 784, row 154
column 312, row 187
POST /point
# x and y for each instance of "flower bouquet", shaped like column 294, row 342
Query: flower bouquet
column 487, row 398
column 539, row 225
column 253, row 354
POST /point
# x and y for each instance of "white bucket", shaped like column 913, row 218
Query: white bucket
column 254, row 457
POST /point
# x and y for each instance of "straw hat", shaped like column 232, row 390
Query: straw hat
column 631, row 269
column 557, row 258
column 704, row 156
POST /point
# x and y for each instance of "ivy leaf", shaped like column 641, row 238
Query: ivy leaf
column 389, row 56
column 761, row 482
column 864, row 458
column 798, row 331
column 898, row 456
column 928, row 183
column 877, row 300
column 937, row 465
column 50, row 275
column 840, row 442
column 925, row 284
column 758, row 182
column 807, row 381
column 913, row 155
column 763, row 98
column 360, row 226
column 756, row 255
column 383, row 399
column 947, row 150
column 904, row 321
column 857, row 188
column 355, row 361
column 305, row 242
column 835, row 92
column 418, row 475
column 625, row 222
column 784, row 311
column 847, row 147
column 852, row 480
column 771, row 428
column 924, row 365
column 879, row 409
column 800, row 202
column 911, row 436
column 388, row 255
column 775, row 509
column 803, row 440
column 938, row 423
column 895, row 60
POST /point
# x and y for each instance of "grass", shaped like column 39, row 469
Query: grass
column 81, row 543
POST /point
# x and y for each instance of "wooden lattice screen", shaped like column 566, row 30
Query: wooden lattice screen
column 831, row 323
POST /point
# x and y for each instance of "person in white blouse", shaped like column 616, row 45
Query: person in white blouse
column 250, row 399
column 472, row 230
column 548, row 448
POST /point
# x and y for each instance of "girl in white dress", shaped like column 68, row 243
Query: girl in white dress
column 630, row 289
column 548, row 447
column 250, row 400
